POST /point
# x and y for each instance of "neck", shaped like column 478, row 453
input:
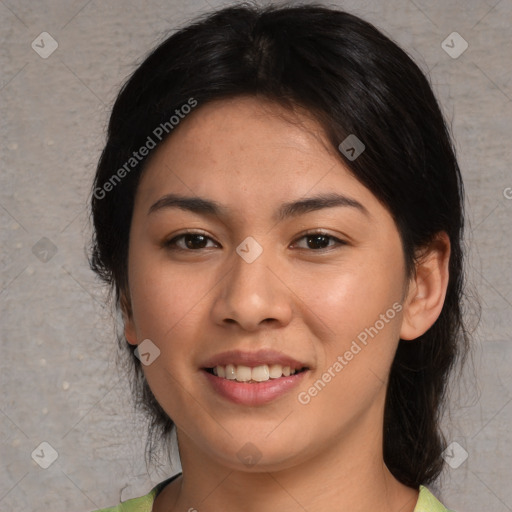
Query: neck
column 348, row 475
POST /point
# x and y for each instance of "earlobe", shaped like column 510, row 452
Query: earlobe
column 129, row 326
column 427, row 289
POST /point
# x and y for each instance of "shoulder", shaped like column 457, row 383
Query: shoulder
column 427, row 502
column 141, row 504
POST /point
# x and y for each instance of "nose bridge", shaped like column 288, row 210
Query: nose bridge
column 252, row 293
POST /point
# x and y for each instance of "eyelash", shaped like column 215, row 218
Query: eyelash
column 171, row 244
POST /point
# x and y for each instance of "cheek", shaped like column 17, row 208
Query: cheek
column 168, row 301
column 356, row 310
column 159, row 301
column 347, row 297
column 168, row 308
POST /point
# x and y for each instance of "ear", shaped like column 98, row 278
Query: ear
column 427, row 288
column 129, row 325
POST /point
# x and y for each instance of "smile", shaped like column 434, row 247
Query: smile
column 252, row 392
column 261, row 373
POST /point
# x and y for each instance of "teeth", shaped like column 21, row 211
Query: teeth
column 230, row 372
column 260, row 373
column 276, row 370
column 243, row 373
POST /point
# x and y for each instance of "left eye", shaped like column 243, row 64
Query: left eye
column 319, row 238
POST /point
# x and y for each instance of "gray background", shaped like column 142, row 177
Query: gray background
column 58, row 377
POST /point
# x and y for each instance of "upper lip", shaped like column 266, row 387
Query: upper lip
column 252, row 359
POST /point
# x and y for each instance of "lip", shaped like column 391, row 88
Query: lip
column 258, row 393
column 252, row 359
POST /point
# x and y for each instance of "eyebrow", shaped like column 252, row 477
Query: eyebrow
column 203, row 206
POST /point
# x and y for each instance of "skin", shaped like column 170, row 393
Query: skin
column 296, row 297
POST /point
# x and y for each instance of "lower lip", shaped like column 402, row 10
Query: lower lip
column 257, row 393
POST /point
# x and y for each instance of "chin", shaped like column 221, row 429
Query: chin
column 256, row 455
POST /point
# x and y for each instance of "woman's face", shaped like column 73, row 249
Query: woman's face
column 253, row 281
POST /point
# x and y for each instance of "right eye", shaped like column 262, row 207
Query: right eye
column 193, row 241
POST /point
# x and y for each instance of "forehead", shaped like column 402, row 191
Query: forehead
column 249, row 152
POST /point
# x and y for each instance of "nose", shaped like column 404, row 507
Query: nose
column 253, row 294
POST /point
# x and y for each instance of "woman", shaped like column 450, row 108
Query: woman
column 278, row 209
